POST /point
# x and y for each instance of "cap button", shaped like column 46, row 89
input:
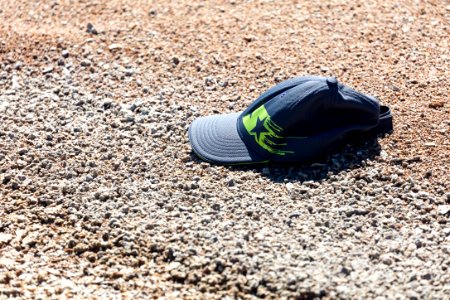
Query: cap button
column 332, row 81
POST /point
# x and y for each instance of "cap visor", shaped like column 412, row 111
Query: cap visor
column 215, row 139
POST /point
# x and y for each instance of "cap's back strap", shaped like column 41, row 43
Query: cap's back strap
column 385, row 121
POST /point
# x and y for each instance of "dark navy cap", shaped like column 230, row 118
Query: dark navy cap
column 294, row 121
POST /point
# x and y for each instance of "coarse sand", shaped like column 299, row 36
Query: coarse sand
column 101, row 197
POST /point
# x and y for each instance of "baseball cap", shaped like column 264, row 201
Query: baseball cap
column 295, row 121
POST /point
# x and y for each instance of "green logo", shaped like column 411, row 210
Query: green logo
column 267, row 134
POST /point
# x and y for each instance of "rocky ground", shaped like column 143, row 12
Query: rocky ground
column 101, row 197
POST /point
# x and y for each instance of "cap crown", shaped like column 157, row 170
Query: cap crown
column 300, row 116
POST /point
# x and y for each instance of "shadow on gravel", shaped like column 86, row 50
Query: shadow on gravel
column 353, row 155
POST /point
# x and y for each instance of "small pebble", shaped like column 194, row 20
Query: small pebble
column 85, row 63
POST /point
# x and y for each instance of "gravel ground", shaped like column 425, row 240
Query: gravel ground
column 101, row 197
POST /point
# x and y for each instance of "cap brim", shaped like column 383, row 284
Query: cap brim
column 215, row 139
